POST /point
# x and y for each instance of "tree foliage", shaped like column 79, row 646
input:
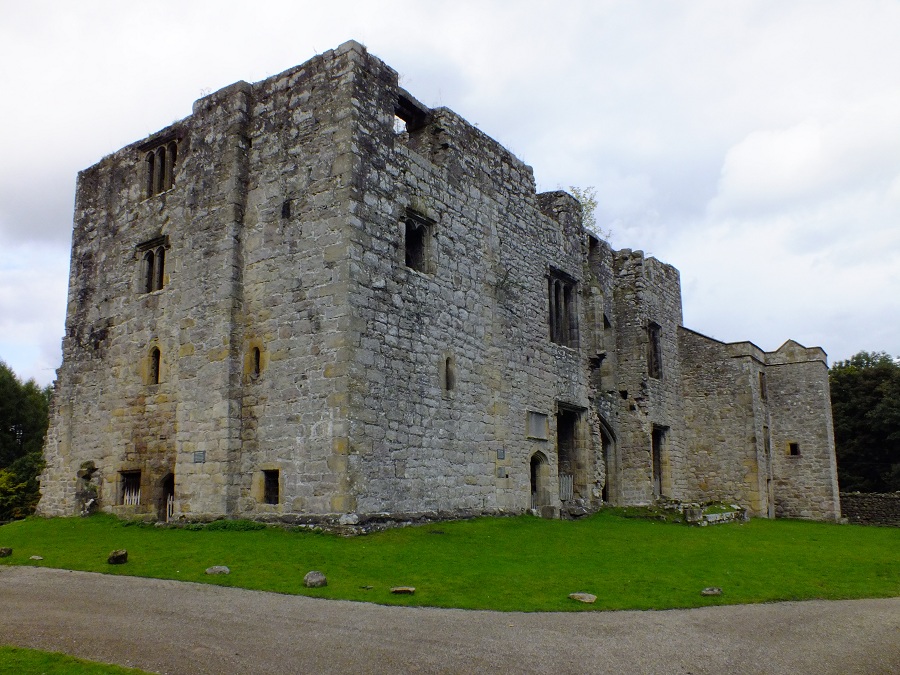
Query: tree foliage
column 865, row 403
column 587, row 196
column 24, row 409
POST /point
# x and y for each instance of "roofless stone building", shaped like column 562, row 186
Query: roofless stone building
column 316, row 297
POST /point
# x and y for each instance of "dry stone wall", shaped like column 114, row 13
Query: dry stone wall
column 867, row 508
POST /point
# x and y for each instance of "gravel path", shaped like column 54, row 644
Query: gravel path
column 173, row 627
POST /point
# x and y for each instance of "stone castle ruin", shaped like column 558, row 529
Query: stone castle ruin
column 317, row 298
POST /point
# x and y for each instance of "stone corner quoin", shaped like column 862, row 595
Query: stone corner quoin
column 316, row 298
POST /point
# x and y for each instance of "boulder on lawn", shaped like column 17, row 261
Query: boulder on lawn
column 314, row 579
column 118, row 557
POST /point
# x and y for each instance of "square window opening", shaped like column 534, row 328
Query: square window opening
column 271, row 486
column 131, row 488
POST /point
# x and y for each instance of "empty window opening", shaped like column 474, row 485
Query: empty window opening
column 153, row 373
column 271, row 486
column 286, row 209
column 654, row 352
column 767, row 441
column 417, row 241
column 536, row 425
column 449, row 374
column 159, row 164
column 657, row 448
column 794, row 449
column 763, row 392
column 409, row 116
column 256, row 365
column 562, row 309
column 153, row 264
column 131, row 488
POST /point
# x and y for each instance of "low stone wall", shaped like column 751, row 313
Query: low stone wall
column 869, row 508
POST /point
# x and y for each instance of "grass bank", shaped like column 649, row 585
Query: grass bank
column 35, row 662
column 510, row 564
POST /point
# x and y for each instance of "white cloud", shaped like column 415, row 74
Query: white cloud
column 752, row 143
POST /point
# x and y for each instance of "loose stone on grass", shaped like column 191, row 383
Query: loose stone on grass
column 583, row 597
column 711, row 590
column 218, row 569
column 36, row 557
column 118, row 557
column 5, row 552
column 315, row 579
column 403, row 590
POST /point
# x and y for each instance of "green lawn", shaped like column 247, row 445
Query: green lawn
column 34, row 662
column 511, row 564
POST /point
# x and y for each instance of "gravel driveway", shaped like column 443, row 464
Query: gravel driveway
column 175, row 627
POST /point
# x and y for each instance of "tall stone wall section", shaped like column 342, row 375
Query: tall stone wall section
column 725, row 427
column 296, row 288
column 647, row 292
column 806, row 483
column 480, row 305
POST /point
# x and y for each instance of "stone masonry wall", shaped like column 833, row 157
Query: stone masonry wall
column 480, row 304
column 871, row 508
column 722, row 459
column 365, row 309
column 295, row 288
column 647, row 292
column 800, row 411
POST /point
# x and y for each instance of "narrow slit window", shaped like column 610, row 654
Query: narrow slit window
column 654, row 351
column 256, row 366
column 149, row 274
column 155, row 365
column 763, row 390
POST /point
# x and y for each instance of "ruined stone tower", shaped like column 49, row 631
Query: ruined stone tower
column 317, row 297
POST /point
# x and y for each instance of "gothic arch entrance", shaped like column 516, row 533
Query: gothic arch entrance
column 540, row 481
column 611, row 485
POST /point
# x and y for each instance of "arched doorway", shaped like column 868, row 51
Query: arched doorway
column 540, row 479
column 166, row 508
column 611, row 489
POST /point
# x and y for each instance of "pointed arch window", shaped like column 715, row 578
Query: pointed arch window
column 159, row 167
column 152, row 255
column 154, row 367
column 562, row 293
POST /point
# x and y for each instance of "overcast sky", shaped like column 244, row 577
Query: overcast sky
column 753, row 145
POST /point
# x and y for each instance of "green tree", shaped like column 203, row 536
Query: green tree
column 587, row 196
column 24, row 412
column 865, row 403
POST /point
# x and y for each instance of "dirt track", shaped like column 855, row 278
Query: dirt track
column 173, row 627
